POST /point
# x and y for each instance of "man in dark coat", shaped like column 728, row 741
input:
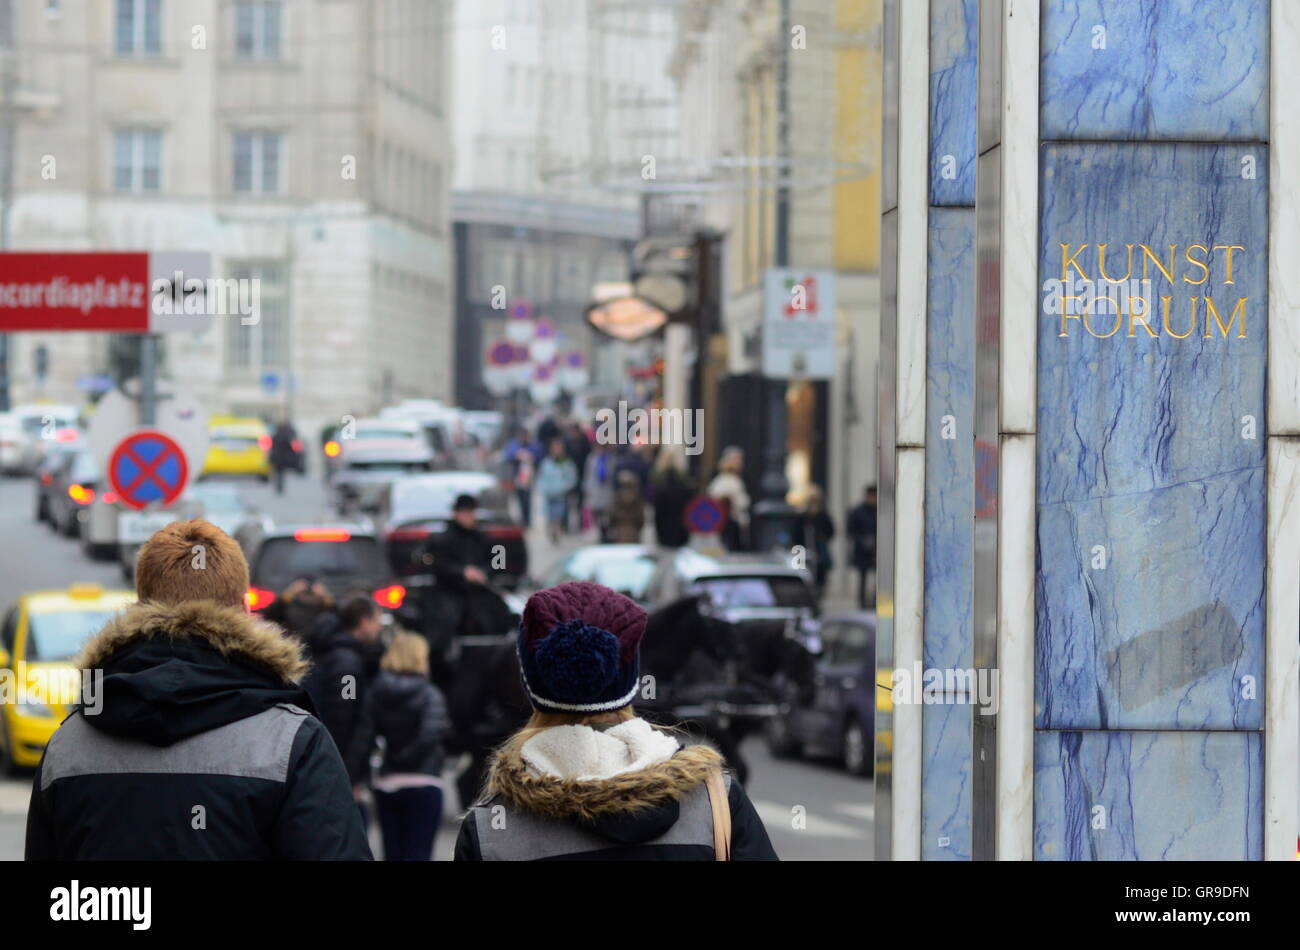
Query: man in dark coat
column 862, row 531
column 462, row 603
column 199, row 744
column 340, row 645
column 284, row 453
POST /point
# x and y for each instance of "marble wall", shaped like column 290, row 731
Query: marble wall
column 1151, row 430
column 950, row 427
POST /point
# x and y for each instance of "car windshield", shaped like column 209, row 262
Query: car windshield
column 629, row 575
column 83, row 469
column 282, row 560
column 435, row 500
column 217, row 501
column 760, row 591
column 57, row 636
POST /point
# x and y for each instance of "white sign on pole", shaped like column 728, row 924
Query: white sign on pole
column 178, row 417
column 798, row 324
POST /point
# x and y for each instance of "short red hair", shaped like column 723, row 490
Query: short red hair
column 192, row 560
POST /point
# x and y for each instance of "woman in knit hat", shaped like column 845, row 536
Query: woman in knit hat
column 586, row 778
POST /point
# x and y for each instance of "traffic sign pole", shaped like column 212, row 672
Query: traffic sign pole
column 149, row 379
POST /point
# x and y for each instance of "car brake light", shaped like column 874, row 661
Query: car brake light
column 391, row 596
column 65, row 435
column 81, row 494
column 46, row 478
column 296, row 445
column 332, row 449
column 264, row 443
column 321, row 534
column 409, row 534
column 503, row 531
column 109, row 498
column 259, row 599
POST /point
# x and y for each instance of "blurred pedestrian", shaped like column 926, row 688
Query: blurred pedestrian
column 585, row 777
column 728, row 486
column 340, row 643
column 627, row 511
column 284, row 453
column 861, row 528
column 671, row 491
column 297, row 607
column 199, row 745
column 520, row 455
column 556, row 477
column 410, row 714
column 578, row 448
column 599, row 491
column 813, row 531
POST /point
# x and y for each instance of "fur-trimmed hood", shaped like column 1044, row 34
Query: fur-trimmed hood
column 173, row 671
column 592, row 800
column 228, row 630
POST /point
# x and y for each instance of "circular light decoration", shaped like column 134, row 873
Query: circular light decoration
column 519, row 321
column 626, row 318
column 545, row 343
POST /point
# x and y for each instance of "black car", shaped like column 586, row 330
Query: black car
column 74, row 485
column 343, row 557
column 54, row 455
column 838, row 718
column 419, row 508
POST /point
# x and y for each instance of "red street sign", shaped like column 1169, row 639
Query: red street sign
column 147, row 467
column 76, row 291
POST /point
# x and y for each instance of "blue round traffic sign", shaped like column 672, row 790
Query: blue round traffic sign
column 147, row 467
column 705, row 515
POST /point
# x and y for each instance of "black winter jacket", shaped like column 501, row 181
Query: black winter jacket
column 411, row 714
column 199, row 746
column 659, row 813
column 338, row 682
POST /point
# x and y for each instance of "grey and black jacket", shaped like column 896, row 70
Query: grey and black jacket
column 200, row 746
column 658, row 813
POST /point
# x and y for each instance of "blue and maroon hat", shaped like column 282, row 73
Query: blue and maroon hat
column 579, row 648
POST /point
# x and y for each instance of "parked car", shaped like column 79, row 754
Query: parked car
column 627, row 568
column 237, row 446
column 75, row 486
column 342, row 556
column 369, row 466
column 752, row 591
column 419, row 508
column 39, row 425
column 838, row 719
column 54, row 454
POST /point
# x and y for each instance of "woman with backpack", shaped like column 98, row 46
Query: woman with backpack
column 586, row 777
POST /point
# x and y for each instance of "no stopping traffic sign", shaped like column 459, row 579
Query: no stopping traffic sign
column 147, row 467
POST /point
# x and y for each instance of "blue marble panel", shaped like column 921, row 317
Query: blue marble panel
column 1169, row 69
column 1151, row 493
column 946, row 780
column 954, row 100
column 1164, row 796
column 950, row 452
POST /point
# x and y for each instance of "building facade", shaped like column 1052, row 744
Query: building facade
column 300, row 144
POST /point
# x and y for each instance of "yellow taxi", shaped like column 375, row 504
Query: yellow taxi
column 238, row 447
column 41, row 634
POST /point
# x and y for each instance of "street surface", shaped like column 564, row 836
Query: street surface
column 812, row 810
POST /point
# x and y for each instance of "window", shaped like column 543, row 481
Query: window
column 257, row 29
column 139, row 27
column 257, row 163
column 137, row 161
column 259, row 347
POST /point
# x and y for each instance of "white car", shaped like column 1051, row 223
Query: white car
column 13, row 451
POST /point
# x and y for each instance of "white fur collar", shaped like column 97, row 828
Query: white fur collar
column 587, row 755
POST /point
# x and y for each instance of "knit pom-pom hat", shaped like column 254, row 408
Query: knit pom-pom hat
column 579, row 648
